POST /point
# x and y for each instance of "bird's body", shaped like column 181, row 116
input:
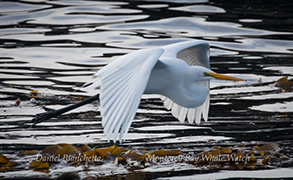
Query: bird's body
column 179, row 72
column 171, row 78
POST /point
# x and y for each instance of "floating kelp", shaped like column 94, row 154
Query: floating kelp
column 268, row 148
column 50, row 150
column 238, row 157
column 217, row 157
column 5, row 164
column 284, row 84
column 28, row 152
column 164, row 152
column 39, row 165
column 85, row 148
column 34, row 93
column 67, row 149
column 17, row 102
column 232, row 158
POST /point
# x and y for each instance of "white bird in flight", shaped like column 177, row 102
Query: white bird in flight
column 178, row 72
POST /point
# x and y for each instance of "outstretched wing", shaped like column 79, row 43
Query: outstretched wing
column 194, row 53
column 122, row 84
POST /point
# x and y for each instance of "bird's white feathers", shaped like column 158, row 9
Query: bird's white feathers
column 194, row 53
column 192, row 114
column 122, row 85
column 123, row 82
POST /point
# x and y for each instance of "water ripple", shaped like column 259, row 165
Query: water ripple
column 55, row 46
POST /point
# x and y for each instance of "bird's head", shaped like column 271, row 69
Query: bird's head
column 204, row 74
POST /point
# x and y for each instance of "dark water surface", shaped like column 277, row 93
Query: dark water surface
column 55, row 46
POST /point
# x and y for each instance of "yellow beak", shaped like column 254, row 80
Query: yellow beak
column 222, row 77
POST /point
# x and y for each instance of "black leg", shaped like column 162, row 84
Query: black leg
column 53, row 113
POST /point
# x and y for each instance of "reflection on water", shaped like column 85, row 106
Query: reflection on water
column 55, row 46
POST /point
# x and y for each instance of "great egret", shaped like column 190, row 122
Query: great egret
column 179, row 72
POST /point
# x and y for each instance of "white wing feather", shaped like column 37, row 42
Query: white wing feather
column 193, row 53
column 122, row 85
